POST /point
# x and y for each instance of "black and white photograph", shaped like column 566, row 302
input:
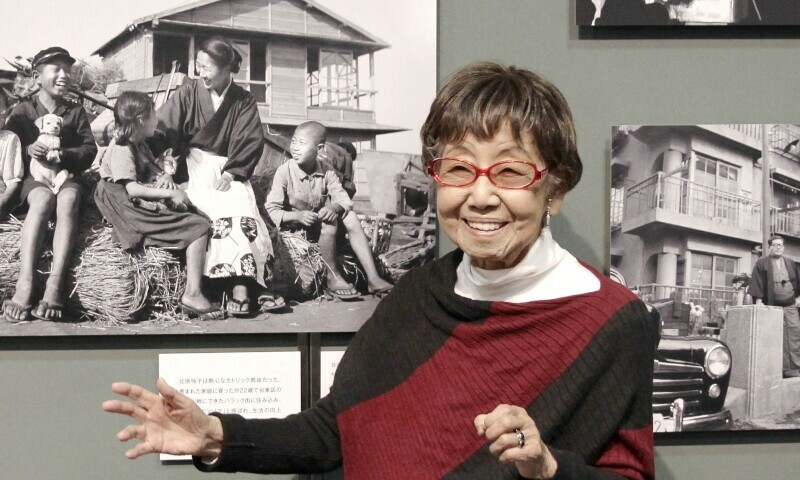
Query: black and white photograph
column 216, row 166
column 611, row 13
column 705, row 228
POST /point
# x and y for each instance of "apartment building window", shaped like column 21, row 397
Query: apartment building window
column 717, row 188
column 716, row 174
column 712, row 271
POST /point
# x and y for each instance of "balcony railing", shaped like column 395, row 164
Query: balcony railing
column 679, row 195
column 617, row 206
column 713, row 300
column 785, row 223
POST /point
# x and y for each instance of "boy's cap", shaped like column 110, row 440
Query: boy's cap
column 49, row 54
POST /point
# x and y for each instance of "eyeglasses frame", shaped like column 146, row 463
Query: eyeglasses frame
column 485, row 172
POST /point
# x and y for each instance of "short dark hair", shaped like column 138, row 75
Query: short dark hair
column 131, row 109
column 482, row 97
column 773, row 238
column 317, row 130
column 222, row 53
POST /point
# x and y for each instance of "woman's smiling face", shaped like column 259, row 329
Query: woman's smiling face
column 494, row 226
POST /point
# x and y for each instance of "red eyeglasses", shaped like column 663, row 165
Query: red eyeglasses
column 511, row 174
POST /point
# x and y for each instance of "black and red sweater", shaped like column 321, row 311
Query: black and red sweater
column 428, row 361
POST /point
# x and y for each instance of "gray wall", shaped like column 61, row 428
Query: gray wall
column 51, row 425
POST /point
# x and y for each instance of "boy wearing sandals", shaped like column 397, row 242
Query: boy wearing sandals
column 307, row 196
column 52, row 70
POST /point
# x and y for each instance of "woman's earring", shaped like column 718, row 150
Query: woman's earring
column 547, row 212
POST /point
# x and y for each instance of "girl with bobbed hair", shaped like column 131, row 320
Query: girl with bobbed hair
column 214, row 130
column 505, row 359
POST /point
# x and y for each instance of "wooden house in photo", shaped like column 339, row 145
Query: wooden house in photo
column 301, row 61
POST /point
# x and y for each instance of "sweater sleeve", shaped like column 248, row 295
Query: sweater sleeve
column 306, row 442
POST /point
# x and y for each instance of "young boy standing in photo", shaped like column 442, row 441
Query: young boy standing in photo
column 52, row 70
column 306, row 195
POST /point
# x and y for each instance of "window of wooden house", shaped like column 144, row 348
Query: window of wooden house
column 167, row 48
column 252, row 73
column 332, row 79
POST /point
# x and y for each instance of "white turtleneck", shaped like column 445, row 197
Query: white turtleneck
column 547, row 271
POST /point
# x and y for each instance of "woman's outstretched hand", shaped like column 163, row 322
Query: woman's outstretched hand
column 167, row 423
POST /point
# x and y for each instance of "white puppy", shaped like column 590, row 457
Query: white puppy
column 47, row 170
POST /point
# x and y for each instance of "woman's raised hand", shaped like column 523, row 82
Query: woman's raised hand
column 167, row 423
column 515, row 438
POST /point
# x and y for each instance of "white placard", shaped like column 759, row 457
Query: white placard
column 328, row 363
column 251, row 384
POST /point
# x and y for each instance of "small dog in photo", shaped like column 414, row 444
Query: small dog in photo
column 47, row 170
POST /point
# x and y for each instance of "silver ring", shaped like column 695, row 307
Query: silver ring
column 520, row 438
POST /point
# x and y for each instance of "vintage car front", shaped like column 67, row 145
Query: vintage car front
column 690, row 377
column 690, row 383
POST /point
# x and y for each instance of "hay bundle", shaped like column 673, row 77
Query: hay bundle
column 166, row 280
column 108, row 285
column 10, row 233
column 307, row 263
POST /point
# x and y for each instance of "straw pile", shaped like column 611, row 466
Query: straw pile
column 307, row 266
column 9, row 255
column 104, row 283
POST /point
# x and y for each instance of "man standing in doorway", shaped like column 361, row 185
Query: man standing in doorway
column 775, row 282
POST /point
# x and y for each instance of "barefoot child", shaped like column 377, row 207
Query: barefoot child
column 306, row 195
column 131, row 180
column 52, row 70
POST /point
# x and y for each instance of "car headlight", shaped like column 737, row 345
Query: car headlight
column 718, row 361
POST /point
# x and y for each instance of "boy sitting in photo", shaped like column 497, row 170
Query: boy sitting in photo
column 52, row 73
column 306, row 195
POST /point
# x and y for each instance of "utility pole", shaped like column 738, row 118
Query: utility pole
column 766, row 189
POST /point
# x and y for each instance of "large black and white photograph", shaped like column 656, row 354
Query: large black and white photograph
column 705, row 228
column 611, row 13
column 216, row 166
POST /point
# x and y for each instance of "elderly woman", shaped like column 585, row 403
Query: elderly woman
column 507, row 358
column 212, row 125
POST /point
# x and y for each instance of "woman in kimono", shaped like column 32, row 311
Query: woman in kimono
column 213, row 127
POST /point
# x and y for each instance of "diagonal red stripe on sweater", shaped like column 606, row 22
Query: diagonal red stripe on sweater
column 627, row 450
column 423, row 428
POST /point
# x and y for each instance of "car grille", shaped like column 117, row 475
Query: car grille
column 672, row 381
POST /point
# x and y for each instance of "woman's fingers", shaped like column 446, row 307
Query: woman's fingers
column 145, row 397
column 132, row 431
column 138, row 450
column 126, row 408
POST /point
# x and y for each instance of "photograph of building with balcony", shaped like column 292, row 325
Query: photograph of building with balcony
column 366, row 72
column 688, row 224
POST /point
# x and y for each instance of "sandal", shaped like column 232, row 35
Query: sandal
column 24, row 312
column 244, row 307
column 52, row 307
column 203, row 313
column 381, row 292
column 341, row 294
column 277, row 302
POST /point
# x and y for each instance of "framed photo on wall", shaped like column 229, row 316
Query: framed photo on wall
column 615, row 13
column 346, row 64
column 693, row 208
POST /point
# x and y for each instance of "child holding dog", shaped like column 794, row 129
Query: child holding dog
column 52, row 70
column 132, row 183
